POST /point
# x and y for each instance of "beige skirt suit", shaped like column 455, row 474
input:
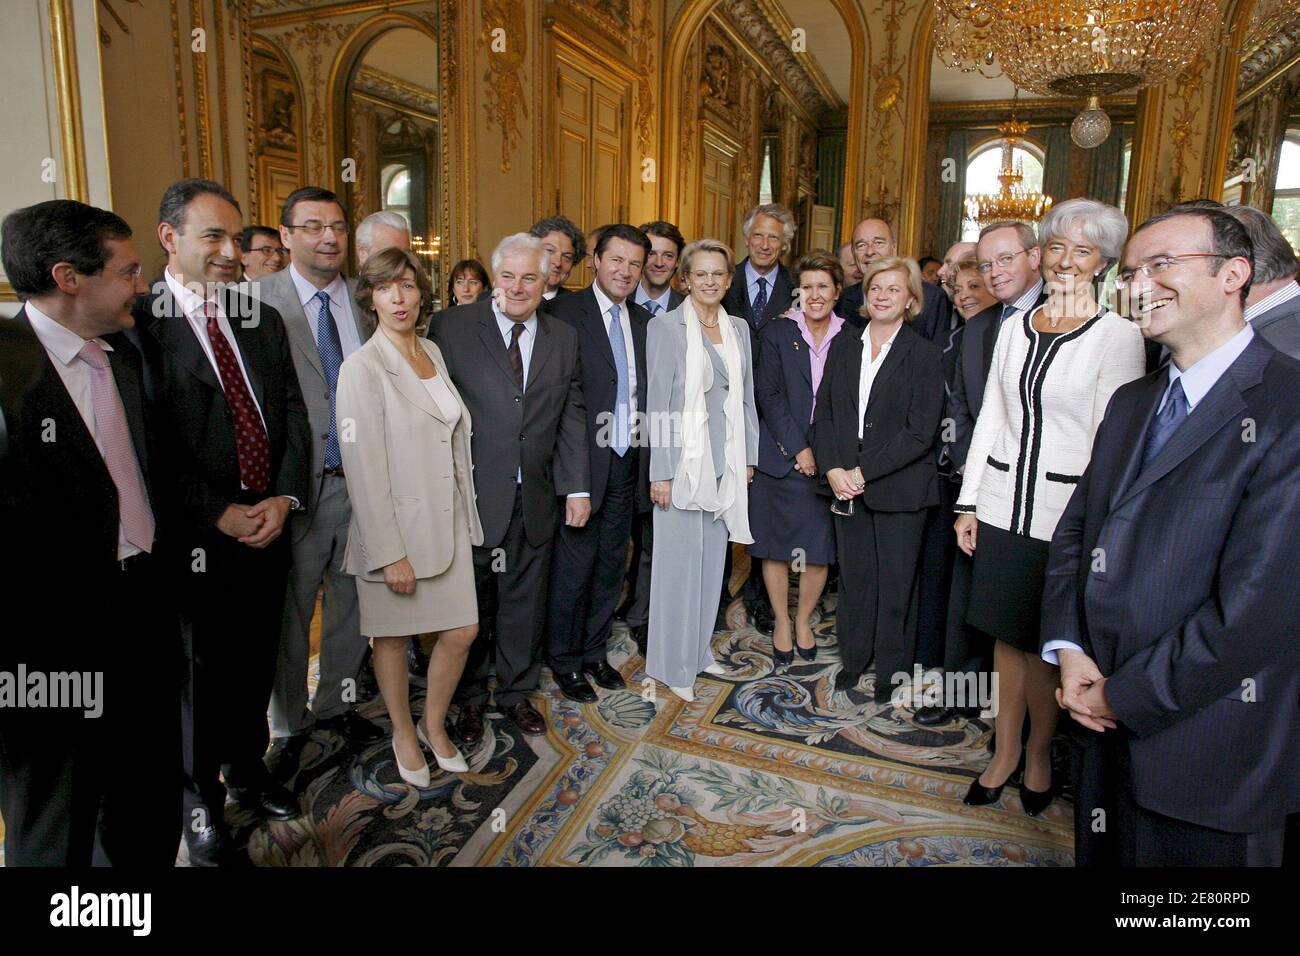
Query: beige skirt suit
column 406, row 458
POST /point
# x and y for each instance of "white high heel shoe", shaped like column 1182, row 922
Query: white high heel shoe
column 453, row 764
column 685, row 693
column 416, row 778
column 716, row 669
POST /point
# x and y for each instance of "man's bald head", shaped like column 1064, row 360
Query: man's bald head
column 872, row 238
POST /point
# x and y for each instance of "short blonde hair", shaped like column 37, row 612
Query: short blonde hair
column 910, row 269
column 703, row 245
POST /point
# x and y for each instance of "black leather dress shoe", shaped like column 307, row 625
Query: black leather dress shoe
column 847, row 681
column 933, row 716
column 604, row 675
column 527, row 718
column 575, row 687
column 353, row 727
column 417, row 662
column 271, row 801
column 764, row 619
column 1035, row 802
column 638, row 633
column 209, row 846
column 469, row 725
column 284, row 759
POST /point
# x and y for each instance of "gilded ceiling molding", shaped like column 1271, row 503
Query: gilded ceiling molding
column 180, row 86
column 612, row 18
column 303, row 11
column 775, row 15
column 67, row 91
column 386, row 86
column 773, row 49
column 504, row 75
column 203, row 118
column 1269, row 60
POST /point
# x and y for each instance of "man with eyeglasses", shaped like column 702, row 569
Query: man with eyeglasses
column 260, row 252
column 1171, row 600
column 325, row 327
column 872, row 240
column 565, row 244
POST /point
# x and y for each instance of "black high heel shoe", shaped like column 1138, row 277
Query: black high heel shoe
column 980, row 796
column 1035, row 802
column 782, row 658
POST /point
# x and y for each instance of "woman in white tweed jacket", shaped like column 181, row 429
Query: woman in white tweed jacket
column 1053, row 373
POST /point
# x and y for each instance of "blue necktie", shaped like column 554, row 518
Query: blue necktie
column 653, row 307
column 1166, row 422
column 622, row 438
column 760, row 302
column 1007, row 310
column 331, row 357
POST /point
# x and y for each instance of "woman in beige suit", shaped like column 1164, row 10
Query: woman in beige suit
column 406, row 456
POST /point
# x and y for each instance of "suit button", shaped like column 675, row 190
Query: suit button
column 325, row 437
column 521, row 437
column 518, row 398
column 868, row 424
column 327, row 395
column 318, row 474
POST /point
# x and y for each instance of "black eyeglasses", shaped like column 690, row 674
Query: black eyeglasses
column 1003, row 260
column 270, row 250
column 1162, row 264
column 314, row 227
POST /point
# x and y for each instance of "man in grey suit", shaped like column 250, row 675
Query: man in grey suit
column 1273, row 306
column 519, row 373
column 324, row 327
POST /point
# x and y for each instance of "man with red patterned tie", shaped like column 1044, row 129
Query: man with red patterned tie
column 87, row 777
column 231, row 418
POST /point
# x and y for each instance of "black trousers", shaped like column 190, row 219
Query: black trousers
column 511, row 580
column 587, row 570
column 876, row 613
column 638, row 575
column 79, row 789
column 232, row 611
column 938, row 548
column 1112, row 830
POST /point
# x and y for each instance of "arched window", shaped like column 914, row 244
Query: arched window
column 395, row 187
column 1286, row 194
column 982, row 169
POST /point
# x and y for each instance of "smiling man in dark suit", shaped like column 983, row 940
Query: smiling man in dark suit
column 88, row 781
column 518, row 371
column 232, row 421
column 1171, row 601
column 589, row 561
column 1273, row 306
column 873, row 238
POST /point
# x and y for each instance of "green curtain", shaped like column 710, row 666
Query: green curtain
column 952, row 195
column 832, row 150
column 1056, row 162
column 1107, row 165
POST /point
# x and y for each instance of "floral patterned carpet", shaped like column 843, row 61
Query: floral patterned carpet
column 760, row 770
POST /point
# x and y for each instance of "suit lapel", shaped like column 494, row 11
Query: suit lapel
column 778, row 298
column 594, row 324
column 128, row 389
column 250, row 349
column 296, row 324
column 489, row 334
column 893, row 358
column 405, row 380
column 174, row 333
column 364, row 321
column 542, row 349
column 802, row 354
column 1135, row 428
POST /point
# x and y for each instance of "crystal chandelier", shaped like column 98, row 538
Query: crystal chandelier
column 1079, row 48
column 961, row 37
column 1014, row 202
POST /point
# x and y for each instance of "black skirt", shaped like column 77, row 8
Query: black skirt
column 787, row 517
column 1006, row 591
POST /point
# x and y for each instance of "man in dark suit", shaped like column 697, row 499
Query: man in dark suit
column 232, row 421
column 874, row 239
column 518, row 372
column 1170, row 598
column 565, row 244
column 760, row 290
column 657, row 295
column 1273, row 306
column 1009, row 257
column 589, row 562
column 88, row 773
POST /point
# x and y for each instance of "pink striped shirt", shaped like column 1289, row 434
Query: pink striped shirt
column 817, row 353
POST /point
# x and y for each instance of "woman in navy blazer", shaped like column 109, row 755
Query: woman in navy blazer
column 790, row 521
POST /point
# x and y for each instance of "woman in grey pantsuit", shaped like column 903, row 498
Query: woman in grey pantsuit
column 703, row 434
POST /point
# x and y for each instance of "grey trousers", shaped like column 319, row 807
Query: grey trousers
column 317, row 557
column 685, row 579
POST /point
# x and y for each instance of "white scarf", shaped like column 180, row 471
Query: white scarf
column 695, row 487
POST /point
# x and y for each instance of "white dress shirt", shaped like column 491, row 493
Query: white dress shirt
column 867, row 377
column 605, row 304
column 1284, row 294
column 64, row 346
column 1022, row 304
column 1197, row 380
column 340, row 309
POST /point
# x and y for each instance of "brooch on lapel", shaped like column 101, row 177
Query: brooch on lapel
column 795, row 343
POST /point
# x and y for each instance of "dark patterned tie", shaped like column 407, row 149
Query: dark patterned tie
column 1166, row 421
column 250, row 435
column 516, row 357
column 331, row 359
column 760, row 302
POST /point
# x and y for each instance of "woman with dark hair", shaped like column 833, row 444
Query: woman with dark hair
column 469, row 282
column 878, row 411
column 788, row 518
column 411, row 485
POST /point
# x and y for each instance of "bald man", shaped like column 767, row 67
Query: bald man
column 874, row 239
